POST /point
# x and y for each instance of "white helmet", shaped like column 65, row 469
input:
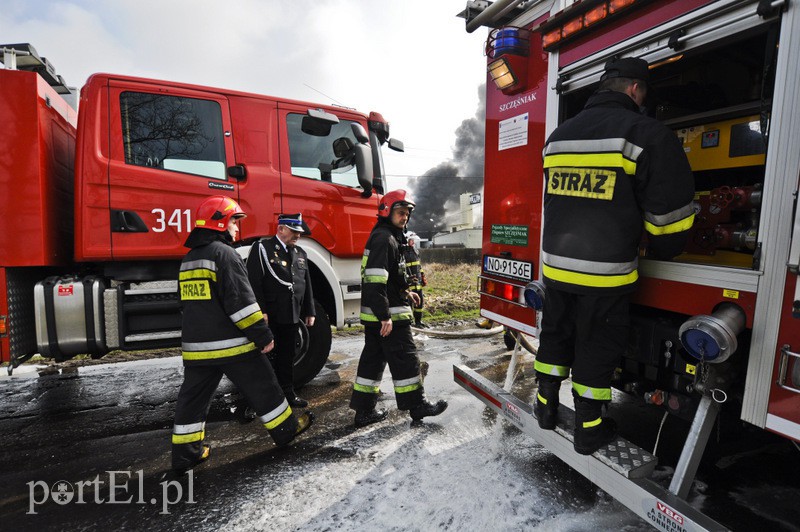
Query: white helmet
column 413, row 240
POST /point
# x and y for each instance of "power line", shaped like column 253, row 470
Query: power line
column 315, row 90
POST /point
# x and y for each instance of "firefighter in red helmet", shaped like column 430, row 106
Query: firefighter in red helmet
column 386, row 315
column 223, row 333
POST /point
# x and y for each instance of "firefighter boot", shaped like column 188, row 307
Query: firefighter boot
column 304, row 422
column 368, row 417
column 426, row 409
column 485, row 323
column 293, row 399
column 592, row 431
column 546, row 405
column 182, row 470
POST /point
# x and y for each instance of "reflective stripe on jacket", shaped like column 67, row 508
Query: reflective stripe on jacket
column 221, row 320
column 413, row 266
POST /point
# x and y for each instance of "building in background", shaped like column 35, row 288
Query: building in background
column 461, row 230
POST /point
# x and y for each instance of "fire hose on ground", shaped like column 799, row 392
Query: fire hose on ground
column 520, row 340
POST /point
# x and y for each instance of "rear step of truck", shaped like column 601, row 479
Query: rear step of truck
column 622, row 469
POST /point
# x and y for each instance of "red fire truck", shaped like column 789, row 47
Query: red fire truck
column 716, row 329
column 98, row 203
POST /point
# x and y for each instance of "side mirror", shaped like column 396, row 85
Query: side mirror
column 342, row 147
column 364, row 168
column 318, row 122
column 359, row 132
column 396, row 145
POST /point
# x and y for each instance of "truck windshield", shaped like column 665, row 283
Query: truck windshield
column 327, row 158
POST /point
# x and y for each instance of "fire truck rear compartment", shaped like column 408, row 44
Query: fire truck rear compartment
column 717, row 100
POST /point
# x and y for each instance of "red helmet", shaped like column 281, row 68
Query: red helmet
column 395, row 198
column 215, row 212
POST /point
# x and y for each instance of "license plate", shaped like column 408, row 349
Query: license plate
column 515, row 269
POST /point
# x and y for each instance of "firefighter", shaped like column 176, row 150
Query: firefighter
column 278, row 271
column 223, row 333
column 416, row 275
column 610, row 172
column 386, row 316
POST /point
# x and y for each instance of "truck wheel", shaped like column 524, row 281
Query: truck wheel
column 314, row 347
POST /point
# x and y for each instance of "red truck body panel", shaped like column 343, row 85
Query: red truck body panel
column 513, row 198
column 38, row 138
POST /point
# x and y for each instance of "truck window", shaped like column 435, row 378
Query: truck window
column 173, row 133
column 329, row 158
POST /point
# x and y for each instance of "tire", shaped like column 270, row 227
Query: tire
column 314, row 345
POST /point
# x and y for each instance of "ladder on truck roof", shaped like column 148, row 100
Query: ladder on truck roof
column 23, row 56
column 621, row 469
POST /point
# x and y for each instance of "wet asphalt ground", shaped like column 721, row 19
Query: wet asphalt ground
column 88, row 449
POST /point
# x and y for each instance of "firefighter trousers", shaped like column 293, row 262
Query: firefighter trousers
column 399, row 352
column 584, row 334
column 282, row 357
column 256, row 380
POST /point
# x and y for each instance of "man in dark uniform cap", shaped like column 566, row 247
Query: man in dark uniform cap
column 610, row 173
column 279, row 272
column 632, row 68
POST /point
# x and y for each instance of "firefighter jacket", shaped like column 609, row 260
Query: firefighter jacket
column 413, row 266
column 221, row 319
column 384, row 283
column 610, row 171
column 281, row 281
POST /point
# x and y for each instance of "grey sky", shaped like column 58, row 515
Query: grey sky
column 410, row 60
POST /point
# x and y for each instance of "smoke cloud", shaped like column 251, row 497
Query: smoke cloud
column 437, row 191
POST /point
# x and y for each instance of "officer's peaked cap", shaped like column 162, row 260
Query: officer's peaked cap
column 294, row 222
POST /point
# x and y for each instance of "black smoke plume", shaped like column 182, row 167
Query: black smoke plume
column 437, row 191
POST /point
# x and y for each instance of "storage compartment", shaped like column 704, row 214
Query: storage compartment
column 717, row 99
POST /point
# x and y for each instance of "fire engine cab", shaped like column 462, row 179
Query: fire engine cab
column 98, row 203
column 715, row 330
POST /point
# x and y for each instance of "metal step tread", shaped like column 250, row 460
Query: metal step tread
column 622, row 456
column 621, row 468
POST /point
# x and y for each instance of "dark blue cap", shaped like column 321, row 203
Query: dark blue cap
column 627, row 67
column 294, row 222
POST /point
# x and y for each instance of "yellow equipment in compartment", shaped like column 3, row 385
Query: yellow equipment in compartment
column 727, row 144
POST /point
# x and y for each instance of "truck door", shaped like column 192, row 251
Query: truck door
column 170, row 147
column 783, row 413
column 319, row 180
